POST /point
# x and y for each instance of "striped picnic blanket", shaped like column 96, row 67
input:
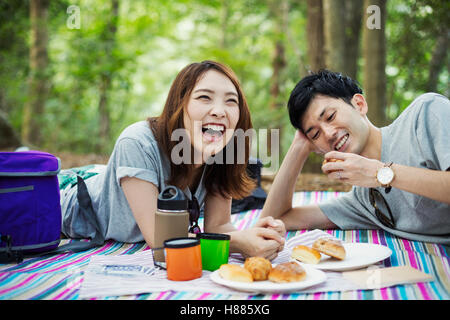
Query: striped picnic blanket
column 60, row 277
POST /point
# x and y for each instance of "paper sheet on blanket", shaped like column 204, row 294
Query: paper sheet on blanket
column 134, row 274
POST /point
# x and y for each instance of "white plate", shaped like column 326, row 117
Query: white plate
column 313, row 277
column 358, row 255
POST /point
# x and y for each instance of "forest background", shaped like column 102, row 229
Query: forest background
column 75, row 73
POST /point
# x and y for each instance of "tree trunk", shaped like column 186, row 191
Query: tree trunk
column 278, row 58
column 342, row 25
column 334, row 27
column 224, row 17
column 104, row 119
column 447, row 91
column 8, row 136
column 277, row 11
column 278, row 64
column 374, row 52
column 290, row 39
column 354, row 13
column 38, row 80
column 106, row 77
column 438, row 60
column 315, row 35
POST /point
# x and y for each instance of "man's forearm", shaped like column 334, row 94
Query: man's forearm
column 281, row 192
column 432, row 184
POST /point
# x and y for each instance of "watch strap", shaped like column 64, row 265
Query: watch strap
column 388, row 187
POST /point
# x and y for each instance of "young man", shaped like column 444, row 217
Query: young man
column 400, row 173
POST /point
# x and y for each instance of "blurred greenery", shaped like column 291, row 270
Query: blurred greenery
column 155, row 39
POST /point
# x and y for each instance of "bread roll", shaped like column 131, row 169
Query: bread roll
column 235, row 272
column 287, row 272
column 259, row 267
column 306, row 254
column 330, row 247
column 332, row 160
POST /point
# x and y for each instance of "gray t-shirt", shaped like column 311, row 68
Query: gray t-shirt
column 419, row 137
column 136, row 154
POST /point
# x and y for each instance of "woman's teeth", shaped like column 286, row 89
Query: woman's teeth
column 341, row 143
column 213, row 129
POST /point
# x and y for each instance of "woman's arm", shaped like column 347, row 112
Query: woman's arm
column 256, row 241
column 142, row 198
column 218, row 214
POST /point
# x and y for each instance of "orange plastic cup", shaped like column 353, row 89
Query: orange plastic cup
column 183, row 259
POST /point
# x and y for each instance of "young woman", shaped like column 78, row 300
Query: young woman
column 206, row 103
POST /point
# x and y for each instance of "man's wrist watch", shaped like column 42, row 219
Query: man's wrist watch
column 385, row 176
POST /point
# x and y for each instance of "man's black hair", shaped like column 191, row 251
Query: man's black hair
column 325, row 82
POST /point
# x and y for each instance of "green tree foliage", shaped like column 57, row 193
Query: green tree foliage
column 155, row 39
column 413, row 29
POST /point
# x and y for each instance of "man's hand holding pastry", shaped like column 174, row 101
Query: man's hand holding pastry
column 352, row 169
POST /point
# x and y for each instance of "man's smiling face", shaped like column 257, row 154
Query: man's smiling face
column 332, row 124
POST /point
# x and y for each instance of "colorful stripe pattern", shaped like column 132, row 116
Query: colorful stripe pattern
column 59, row 277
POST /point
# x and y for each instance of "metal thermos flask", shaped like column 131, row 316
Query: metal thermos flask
column 171, row 218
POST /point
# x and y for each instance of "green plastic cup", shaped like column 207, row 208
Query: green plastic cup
column 215, row 248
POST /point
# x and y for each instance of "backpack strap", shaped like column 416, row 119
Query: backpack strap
column 87, row 211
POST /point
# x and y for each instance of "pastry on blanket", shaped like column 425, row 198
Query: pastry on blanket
column 330, row 247
column 259, row 267
column 235, row 272
column 287, row 272
column 306, row 254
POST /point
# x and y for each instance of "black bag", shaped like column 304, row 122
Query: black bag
column 258, row 197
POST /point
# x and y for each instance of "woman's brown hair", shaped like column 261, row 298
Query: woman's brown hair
column 228, row 180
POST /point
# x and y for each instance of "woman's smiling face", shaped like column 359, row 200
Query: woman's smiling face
column 212, row 113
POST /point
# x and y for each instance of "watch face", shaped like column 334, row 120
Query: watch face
column 385, row 175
